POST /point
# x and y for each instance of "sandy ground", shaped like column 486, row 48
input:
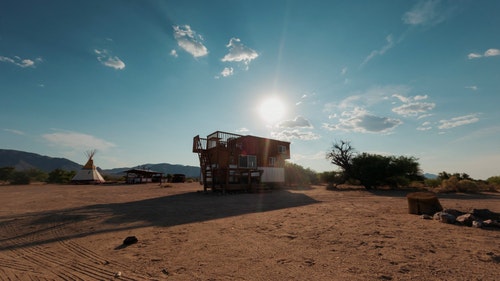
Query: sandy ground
column 53, row 232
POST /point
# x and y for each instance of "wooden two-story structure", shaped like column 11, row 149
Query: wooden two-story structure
column 232, row 161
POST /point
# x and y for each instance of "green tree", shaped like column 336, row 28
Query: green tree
column 6, row 173
column 494, row 180
column 341, row 155
column 299, row 176
column 370, row 169
column 60, row 176
column 19, row 177
column 374, row 170
column 36, row 175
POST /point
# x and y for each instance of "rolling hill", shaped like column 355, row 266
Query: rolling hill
column 22, row 161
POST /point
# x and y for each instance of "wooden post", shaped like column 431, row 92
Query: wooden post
column 423, row 203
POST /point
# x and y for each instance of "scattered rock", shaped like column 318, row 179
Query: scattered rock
column 491, row 223
column 454, row 212
column 165, row 271
column 426, row 217
column 466, row 219
column 118, row 274
column 445, row 217
column 484, row 214
column 130, row 240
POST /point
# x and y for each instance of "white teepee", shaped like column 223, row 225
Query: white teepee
column 88, row 173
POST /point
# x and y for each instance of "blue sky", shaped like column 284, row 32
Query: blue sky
column 137, row 80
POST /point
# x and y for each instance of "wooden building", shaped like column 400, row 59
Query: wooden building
column 142, row 176
column 232, row 161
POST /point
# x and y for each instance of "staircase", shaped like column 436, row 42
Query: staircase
column 200, row 147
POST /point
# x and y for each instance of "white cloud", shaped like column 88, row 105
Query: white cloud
column 173, row 53
column 294, row 134
column 21, row 62
column 108, row 60
column 227, row 71
column 359, row 120
column 474, row 88
column 190, row 41
column 242, row 130
column 487, row 53
column 385, row 48
column 426, row 13
column 492, row 52
column 239, row 52
column 298, row 122
column 412, row 106
column 474, row 56
column 458, row 121
column 77, row 141
column 343, row 71
column 372, row 96
column 17, row 132
column 425, row 126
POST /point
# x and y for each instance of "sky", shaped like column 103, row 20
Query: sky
column 137, row 80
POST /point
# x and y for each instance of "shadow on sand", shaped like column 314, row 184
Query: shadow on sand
column 166, row 211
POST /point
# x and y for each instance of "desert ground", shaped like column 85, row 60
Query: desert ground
column 76, row 232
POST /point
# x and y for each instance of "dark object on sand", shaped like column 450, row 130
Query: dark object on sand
column 130, row 240
column 423, row 203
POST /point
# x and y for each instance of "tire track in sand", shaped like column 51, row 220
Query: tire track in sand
column 27, row 255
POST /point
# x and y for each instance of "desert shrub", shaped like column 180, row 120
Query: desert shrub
column 297, row 175
column 418, row 185
column 453, row 184
column 19, row 177
column 60, row 176
column 467, row 186
column 494, row 180
column 6, row 173
column 433, row 183
column 448, row 185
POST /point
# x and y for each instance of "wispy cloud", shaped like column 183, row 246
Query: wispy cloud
column 474, row 88
column 428, row 12
column 173, row 53
column 227, row 71
column 458, row 121
column 360, row 120
column 412, row 106
column 190, row 41
column 295, row 134
column 425, row 126
column 242, row 130
column 487, row 53
column 24, row 63
column 104, row 56
column 17, row 132
column 298, row 122
column 389, row 44
column 78, row 141
column 239, row 52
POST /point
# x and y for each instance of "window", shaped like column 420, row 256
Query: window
column 248, row 161
column 282, row 149
column 272, row 161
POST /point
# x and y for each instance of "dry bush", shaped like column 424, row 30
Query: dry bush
column 453, row 184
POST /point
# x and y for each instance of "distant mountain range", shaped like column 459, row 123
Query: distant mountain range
column 22, row 160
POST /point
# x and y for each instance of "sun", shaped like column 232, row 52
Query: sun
column 272, row 110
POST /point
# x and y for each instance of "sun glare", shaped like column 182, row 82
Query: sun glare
column 272, row 110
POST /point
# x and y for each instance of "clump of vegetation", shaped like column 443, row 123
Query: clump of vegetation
column 461, row 182
column 60, row 176
column 11, row 176
column 296, row 175
column 373, row 170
